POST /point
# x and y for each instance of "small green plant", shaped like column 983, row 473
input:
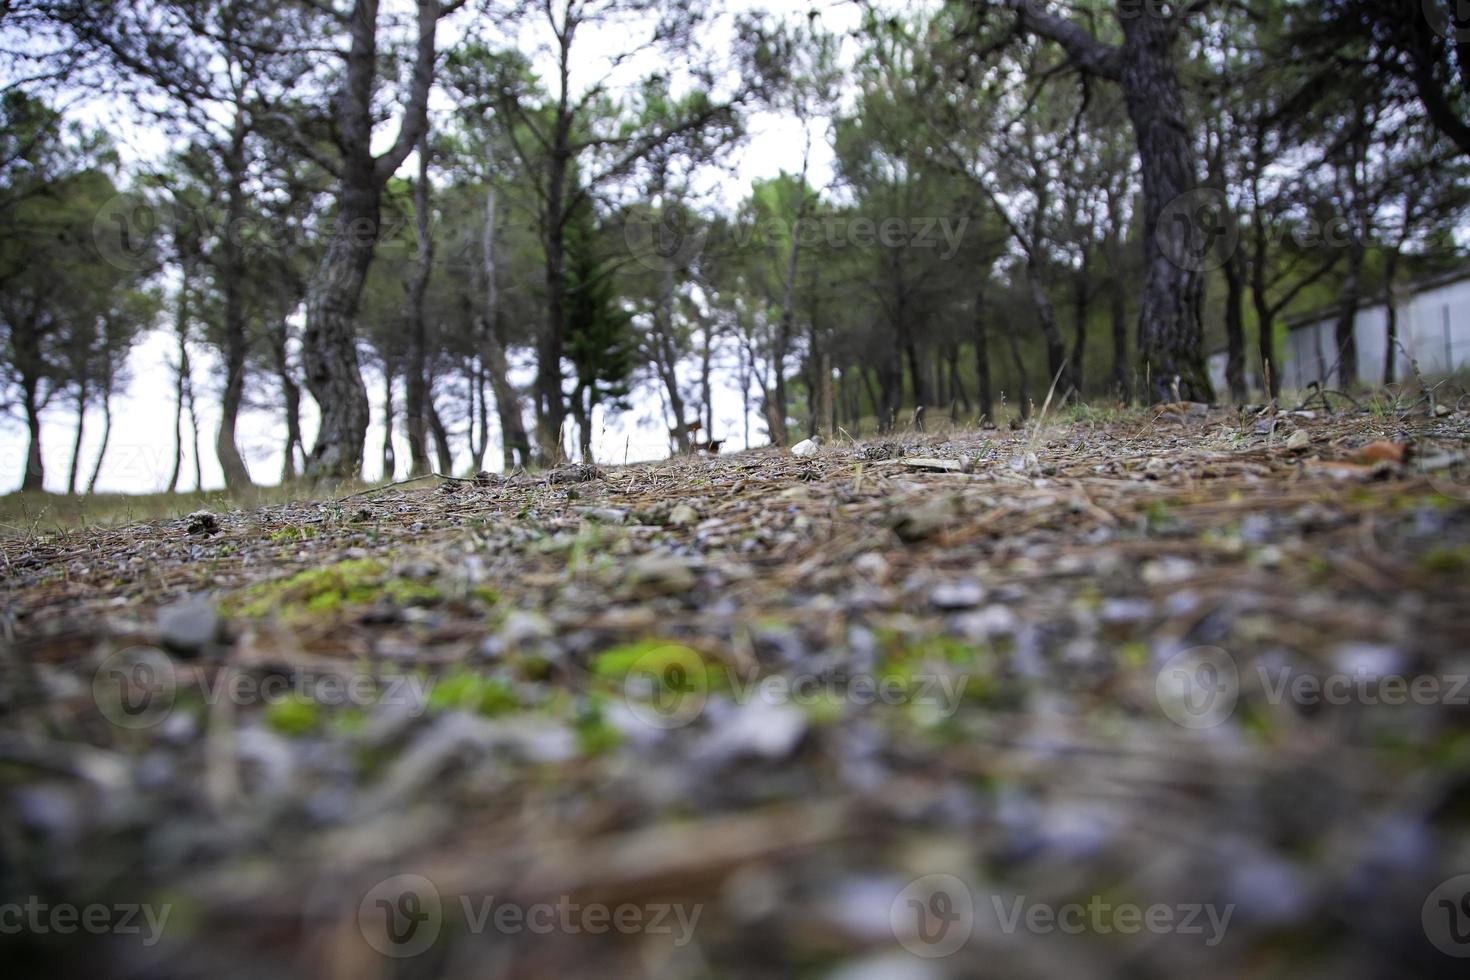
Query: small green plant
column 357, row 582
column 295, row 717
column 463, row 689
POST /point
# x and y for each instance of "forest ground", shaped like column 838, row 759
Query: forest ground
column 1108, row 697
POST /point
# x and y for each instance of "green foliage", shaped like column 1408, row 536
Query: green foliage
column 356, row 582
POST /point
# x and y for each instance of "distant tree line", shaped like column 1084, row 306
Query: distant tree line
column 510, row 211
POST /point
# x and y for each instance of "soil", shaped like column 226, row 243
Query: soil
column 1173, row 692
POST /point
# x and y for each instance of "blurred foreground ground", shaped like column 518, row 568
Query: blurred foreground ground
column 1181, row 693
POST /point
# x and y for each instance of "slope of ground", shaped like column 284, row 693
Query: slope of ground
column 1182, row 692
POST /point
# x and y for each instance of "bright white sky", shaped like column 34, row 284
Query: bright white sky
column 141, row 452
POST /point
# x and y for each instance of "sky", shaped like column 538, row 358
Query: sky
column 141, row 450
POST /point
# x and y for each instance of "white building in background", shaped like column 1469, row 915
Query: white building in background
column 1433, row 327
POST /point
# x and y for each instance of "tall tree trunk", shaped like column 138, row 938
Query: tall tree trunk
column 1170, row 331
column 291, row 395
column 916, row 373
column 76, row 448
column 1265, row 315
column 194, row 430
column 982, row 359
column 958, row 393
column 34, row 479
column 1390, row 306
column 1118, row 297
column 106, row 435
column 515, row 444
column 743, row 372
column 414, row 424
column 666, row 361
column 181, row 326
column 390, row 463
column 232, row 271
column 1081, row 298
column 441, row 436
column 482, row 442
column 1056, row 349
column 828, row 403
column 333, row 375
column 550, row 399
column 785, row 325
column 706, row 387
column 1235, row 328
column 583, row 409
column 874, row 398
column 1345, row 334
column 329, row 344
column 1023, row 393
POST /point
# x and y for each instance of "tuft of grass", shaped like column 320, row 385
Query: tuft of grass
column 463, row 689
column 295, row 716
column 356, row 582
column 29, row 514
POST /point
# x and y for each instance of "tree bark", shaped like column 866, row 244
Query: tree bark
column 390, row 462
column 1081, row 299
column 34, row 479
column 1345, row 334
column 550, row 399
column 333, row 375
column 666, row 361
column 441, row 437
column 1235, row 328
column 515, row 444
column 1118, row 296
column 232, row 271
column 982, row 360
column 785, row 325
column 106, row 436
column 1170, row 332
column 827, row 403
column 181, row 326
column 1056, row 348
column 76, row 448
column 414, row 424
column 1024, row 393
column 194, row 430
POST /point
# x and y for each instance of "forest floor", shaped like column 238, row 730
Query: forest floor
column 1176, row 692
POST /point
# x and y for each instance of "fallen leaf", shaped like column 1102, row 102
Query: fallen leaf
column 1384, row 451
